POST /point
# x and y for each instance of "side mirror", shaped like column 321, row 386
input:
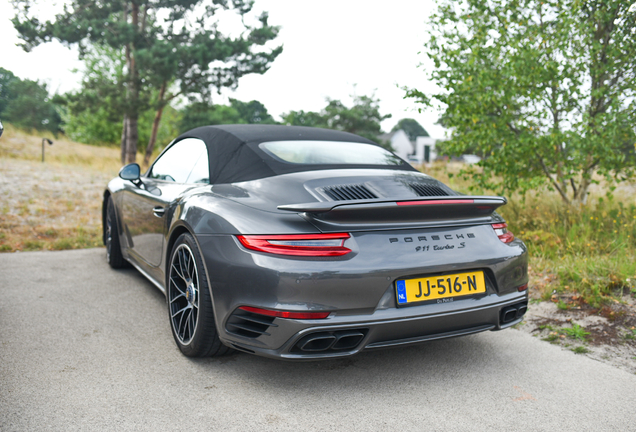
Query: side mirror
column 130, row 172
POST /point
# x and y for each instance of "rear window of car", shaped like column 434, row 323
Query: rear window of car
column 329, row 153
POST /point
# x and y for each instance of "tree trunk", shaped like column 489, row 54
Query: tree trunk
column 124, row 132
column 132, row 137
column 580, row 196
column 155, row 126
column 124, row 135
column 132, row 134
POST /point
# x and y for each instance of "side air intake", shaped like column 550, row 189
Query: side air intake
column 249, row 324
column 348, row 192
column 427, row 190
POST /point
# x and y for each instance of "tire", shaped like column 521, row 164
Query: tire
column 111, row 238
column 189, row 303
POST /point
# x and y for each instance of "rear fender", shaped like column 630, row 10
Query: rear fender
column 213, row 215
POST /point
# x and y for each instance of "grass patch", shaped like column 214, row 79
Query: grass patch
column 64, row 239
column 580, row 350
column 552, row 337
column 562, row 305
column 589, row 251
column 31, row 245
column 575, row 332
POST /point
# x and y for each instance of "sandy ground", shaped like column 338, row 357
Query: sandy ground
column 612, row 330
column 44, row 202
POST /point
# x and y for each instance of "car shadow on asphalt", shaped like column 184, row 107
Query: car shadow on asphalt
column 438, row 361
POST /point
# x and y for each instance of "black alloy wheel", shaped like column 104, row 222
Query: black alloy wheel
column 189, row 302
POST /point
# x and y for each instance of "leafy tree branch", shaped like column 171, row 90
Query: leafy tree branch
column 543, row 90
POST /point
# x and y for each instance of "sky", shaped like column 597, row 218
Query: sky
column 331, row 49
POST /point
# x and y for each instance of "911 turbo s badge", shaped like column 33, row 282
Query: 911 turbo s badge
column 457, row 241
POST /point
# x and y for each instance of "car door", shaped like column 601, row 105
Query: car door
column 146, row 205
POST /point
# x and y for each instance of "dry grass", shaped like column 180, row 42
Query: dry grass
column 17, row 144
column 53, row 205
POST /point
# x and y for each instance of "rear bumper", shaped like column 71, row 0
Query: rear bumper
column 388, row 328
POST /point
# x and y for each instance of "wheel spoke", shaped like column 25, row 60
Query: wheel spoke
column 179, row 273
column 180, row 311
column 192, row 319
column 177, row 297
column 179, row 327
column 187, row 324
column 196, row 297
column 184, row 269
column 176, row 286
column 191, row 272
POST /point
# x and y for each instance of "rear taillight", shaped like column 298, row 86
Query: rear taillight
column 307, row 245
column 286, row 314
column 501, row 229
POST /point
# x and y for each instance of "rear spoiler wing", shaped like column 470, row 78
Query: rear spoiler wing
column 391, row 211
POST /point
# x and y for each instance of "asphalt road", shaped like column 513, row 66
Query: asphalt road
column 84, row 347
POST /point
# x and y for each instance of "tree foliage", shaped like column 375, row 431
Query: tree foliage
column 7, row 88
column 94, row 112
column 412, row 128
column 252, row 112
column 544, row 89
column 238, row 112
column 95, row 126
column 26, row 104
column 305, row 118
column 363, row 118
column 169, row 48
column 203, row 114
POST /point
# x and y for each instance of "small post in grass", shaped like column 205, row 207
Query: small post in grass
column 45, row 140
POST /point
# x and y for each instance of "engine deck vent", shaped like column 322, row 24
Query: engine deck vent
column 348, row 192
column 427, row 190
column 248, row 324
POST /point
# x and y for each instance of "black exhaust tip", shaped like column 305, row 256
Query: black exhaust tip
column 317, row 342
column 521, row 310
column 347, row 340
column 514, row 312
column 340, row 340
column 509, row 314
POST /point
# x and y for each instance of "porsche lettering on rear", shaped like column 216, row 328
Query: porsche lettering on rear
column 434, row 237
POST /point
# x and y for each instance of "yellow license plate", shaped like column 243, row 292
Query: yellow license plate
column 440, row 288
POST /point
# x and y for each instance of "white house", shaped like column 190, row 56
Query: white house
column 400, row 142
column 421, row 150
column 424, row 149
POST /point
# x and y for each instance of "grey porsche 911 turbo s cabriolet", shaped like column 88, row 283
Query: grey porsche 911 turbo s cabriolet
column 304, row 243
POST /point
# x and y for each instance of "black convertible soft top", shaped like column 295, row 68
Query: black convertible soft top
column 235, row 156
